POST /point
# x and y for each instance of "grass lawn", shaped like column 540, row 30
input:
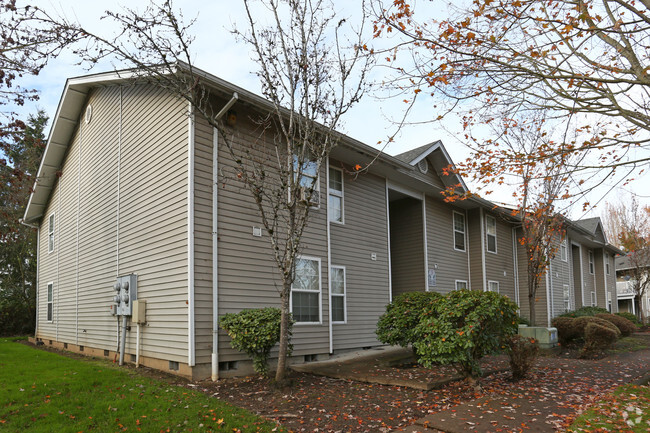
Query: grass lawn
column 46, row 392
column 627, row 410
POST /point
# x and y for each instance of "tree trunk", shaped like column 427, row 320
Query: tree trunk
column 531, row 306
column 284, row 335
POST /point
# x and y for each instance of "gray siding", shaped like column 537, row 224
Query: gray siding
column 475, row 249
column 541, row 296
column 367, row 281
column 588, row 279
column 450, row 264
column 599, row 278
column 407, row 246
column 559, row 275
column 152, row 223
column 499, row 266
column 248, row 276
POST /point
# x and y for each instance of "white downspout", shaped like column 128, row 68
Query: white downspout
column 483, row 250
column 549, row 292
column 329, row 257
column 215, row 242
column 78, row 213
column 117, row 213
column 426, row 253
column 516, row 265
column 390, row 272
column 467, row 244
column 191, row 356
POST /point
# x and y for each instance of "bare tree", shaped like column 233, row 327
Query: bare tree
column 581, row 61
column 312, row 68
column 628, row 222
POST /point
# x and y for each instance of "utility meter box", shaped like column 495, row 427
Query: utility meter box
column 126, row 291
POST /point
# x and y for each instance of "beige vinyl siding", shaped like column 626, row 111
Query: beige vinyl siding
column 499, row 265
column 541, row 304
column 611, row 281
column 248, row 276
column 599, row 269
column 577, row 274
column 559, row 275
column 475, row 249
column 47, row 271
column 352, row 244
column 407, row 246
column 152, row 222
column 203, row 138
column 450, row 264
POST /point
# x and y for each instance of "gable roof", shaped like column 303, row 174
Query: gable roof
column 623, row 262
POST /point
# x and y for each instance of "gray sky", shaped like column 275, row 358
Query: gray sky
column 217, row 52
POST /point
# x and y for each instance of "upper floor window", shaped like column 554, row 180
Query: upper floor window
column 308, row 181
column 50, row 234
column 564, row 251
column 491, row 226
column 305, row 291
column 591, row 262
column 459, row 231
column 335, row 195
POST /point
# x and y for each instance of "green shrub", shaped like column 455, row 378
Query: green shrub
column 463, row 327
column 625, row 326
column 584, row 311
column 567, row 329
column 598, row 337
column 584, row 321
column 523, row 353
column 397, row 325
column 629, row 316
column 254, row 332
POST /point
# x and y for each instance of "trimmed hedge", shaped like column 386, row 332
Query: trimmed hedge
column 584, row 311
column 598, row 337
column 397, row 326
column 597, row 333
column 567, row 331
column 625, row 326
column 629, row 316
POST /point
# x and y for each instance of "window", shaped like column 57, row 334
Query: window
column 337, row 275
column 609, row 301
column 567, row 297
column 335, row 202
column 593, row 299
column 308, row 178
column 50, row 302
column 607, row 263
column 305, row 290
column 50, row 234
column 564, row 251
column 591, row 262
column 493, row 286
column 461, row 285
column 491, row 224
column 459, row 231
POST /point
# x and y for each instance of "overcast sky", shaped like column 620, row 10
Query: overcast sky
column 217, row 52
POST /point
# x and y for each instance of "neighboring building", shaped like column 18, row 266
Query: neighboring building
column 131, row 184
column 625, row 287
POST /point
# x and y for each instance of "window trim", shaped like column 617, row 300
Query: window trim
column 460, row 281
column 564, row 251
column 51, row 232
column 49, row 312
column 594, row 299
column 344, row 295
column 592, row 266
column 607, row 267
column 316, row 184
column 336, row 193
column 464, row 232
column 320, row 292
column 487, row 234
column 493, row 282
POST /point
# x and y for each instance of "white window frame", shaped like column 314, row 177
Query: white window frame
column 320, row 292
column 457, row 282
column 49, row 312
column 592, row 267
column 564, row 251
column 336, row 193
column 490, row 283
column 305, row 175
column 489, row 218
column 609, row 301
column 607, row 271
column 594, row 300
column 51, row 226
column 344, row 295
column 566, row 296
column 464, row 232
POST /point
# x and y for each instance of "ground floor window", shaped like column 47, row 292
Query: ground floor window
column 566, row 294
column 609, row 301
column 305, row 291
column 593, row 299
column 50, row 301
column 493, row 286
column 337, row 274
column 461, row 285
